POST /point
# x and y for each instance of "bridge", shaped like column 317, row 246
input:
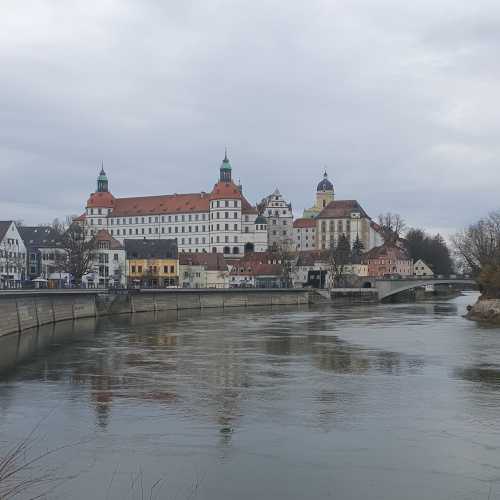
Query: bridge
column 389, row 287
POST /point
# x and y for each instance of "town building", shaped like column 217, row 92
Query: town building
column 387, row 261
column 203, row 270
column 278, row 213
column 311, row 269
column 12, row 256
column 44, row 250
column 152, row 263
column 219, row 221
column 420, row 268
column 346, row 217
column 108, row 263
column 325, row 194
column 304, row 234
column 262, row 270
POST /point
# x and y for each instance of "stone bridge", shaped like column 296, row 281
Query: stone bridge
column 389, row 287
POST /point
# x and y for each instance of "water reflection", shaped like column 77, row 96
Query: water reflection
column 351, row 400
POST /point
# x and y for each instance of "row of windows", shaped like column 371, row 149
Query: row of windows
column 340, row 226
column 276, row 213
column 156, row 230
column 153, row 269
column 157, row 219
column 10, row 269
column 11, row 255
column 224, row 203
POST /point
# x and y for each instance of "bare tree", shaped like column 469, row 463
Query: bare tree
column 283, row 254
column 392, row 227
column 339, row 260
column 478, row 249
column 479, row 244
column 77, row 259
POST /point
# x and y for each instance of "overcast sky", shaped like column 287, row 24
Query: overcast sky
column 400, row 100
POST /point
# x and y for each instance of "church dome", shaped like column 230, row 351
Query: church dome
column 260, row 220
column 325, row 184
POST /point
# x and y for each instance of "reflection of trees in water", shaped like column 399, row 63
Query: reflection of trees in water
column 486, row 375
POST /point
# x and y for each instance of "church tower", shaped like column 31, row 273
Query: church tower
column 324, row 193
column 225, row 169
column 102, row 181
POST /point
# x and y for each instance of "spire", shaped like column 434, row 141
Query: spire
column 225, row 169
column 102, row 180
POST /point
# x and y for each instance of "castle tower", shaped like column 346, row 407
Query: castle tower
column 102, row 181
column 225, row 169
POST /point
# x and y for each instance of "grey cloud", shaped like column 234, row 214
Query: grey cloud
column 398, row 100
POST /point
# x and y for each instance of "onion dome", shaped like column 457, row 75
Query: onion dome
column 325, row 184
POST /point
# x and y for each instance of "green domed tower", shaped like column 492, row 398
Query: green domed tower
column 102, row 181
column 225, row 169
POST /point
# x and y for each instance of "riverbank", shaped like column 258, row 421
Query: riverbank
column 21, row 310
column 485, row 311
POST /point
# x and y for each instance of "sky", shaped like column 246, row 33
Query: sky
column 400, row 101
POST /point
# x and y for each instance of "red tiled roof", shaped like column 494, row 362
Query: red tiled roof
column 225, row 190
column 385, row 252
column 169, row 203
column 341, row 209
column 80, row 218
column 101, row 200
column 103, row 235
column 310, row 257
column 303, row 223
column 212, row 261
column 163, row 204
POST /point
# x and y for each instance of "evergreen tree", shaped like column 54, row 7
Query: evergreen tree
column 431, row 249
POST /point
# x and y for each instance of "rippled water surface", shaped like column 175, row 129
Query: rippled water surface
column 373, row 402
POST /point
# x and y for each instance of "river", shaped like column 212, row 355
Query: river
column 392, row 401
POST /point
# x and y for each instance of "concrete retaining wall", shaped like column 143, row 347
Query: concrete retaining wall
column 22, row 310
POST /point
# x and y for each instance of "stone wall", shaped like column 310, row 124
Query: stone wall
column 23, row 310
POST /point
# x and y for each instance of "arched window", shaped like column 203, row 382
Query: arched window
column 236, row 250
column 214, row 250
column 227, row 250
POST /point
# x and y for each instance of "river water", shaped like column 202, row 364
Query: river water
column 396, row 401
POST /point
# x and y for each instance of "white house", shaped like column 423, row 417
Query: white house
column 109, row 265
column 12, row 256
column 420, row 268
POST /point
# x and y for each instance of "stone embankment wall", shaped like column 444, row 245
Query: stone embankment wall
column 486, row 310
column 20, row 311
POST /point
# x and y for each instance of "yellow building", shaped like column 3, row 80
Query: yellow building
column 152, row 263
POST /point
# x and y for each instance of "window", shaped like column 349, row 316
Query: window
column 236, row 227
column 172, row 269
column 226, row 227
column 133, row 269
column 115, row 257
